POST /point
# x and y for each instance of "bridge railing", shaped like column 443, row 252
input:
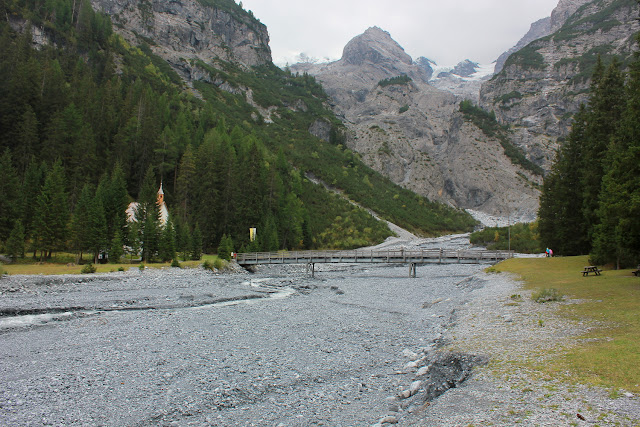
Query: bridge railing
column 364, row 255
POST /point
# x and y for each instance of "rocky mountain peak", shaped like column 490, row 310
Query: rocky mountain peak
column 414, row 133
column 563, row 11
column 537, row 30
column 374, row 46
column 427, row 65
column 464, row 68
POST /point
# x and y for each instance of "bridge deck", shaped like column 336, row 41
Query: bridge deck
column 424, row 256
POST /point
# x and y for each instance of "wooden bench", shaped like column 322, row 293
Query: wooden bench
column 591, row 269
column 636, row 272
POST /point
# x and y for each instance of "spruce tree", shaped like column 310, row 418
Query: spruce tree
column 30, row 190
column 15, row 242
column 9, row 194
column 133, row 239
column 80, row 222
column 225, row 248
column 52, row 212
column 186, row 184
column 606, row 105
column 561, row 221
column 116, row 250
column 148, row 216
column 97, row 231
column 167, row 246
column 617, row 235
column 196, row 243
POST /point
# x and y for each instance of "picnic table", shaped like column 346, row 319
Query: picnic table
column 591, row 269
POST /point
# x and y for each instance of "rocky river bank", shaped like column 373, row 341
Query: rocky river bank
column 354, row 346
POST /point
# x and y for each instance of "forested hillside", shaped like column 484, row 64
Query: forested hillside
column 591, row 199
column 90, row 122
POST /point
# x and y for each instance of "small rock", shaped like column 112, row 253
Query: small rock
column 411, row 365
column 409, row 354
column 629, row 395
column 415, row 386
column 422, row 371
column 390, row 419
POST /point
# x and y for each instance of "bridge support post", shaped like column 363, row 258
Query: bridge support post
column 412, row 270
column 311, row 267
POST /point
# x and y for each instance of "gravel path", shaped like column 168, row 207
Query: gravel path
column 357, row 345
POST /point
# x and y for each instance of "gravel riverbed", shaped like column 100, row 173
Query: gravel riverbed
column 357, row 345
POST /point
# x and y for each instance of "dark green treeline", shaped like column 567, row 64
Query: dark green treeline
column 590, row 202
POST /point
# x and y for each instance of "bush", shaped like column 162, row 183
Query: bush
column 547, row 295
column 175, row 263
column 88, row 269
column 207, row 265
column 219, row 263
column 141, row 267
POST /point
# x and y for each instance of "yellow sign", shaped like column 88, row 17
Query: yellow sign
column 252, row 234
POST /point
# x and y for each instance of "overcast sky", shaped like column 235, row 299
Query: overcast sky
column 446, row 31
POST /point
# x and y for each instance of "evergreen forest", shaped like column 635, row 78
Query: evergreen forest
column 90, row 122
column 590, row 203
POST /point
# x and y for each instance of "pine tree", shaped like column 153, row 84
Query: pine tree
column 29, row 139
column 225, row 248
column 167, row 246
column 186, row 185
column 9, row 196
column 268, row 235
column 150, row 237
column 80, row 222
column 97, row 231
column 148, row 217
column 52, row 212
column 606, row 106
column 561, row 222
column 133, row 239
column 116, row 250
column 15, row 242
column 617, row 236
column 30, row 190
column 118, row 200
column 196, row 243
column 183, row 240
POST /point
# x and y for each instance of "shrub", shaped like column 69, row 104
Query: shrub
column 219, row 263
column 207, row 265
column 120, row 268
column 141, row 267
column 175, row 263
column 88, row 269
column 547, row 295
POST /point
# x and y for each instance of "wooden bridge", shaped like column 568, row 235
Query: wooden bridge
column 412, row 257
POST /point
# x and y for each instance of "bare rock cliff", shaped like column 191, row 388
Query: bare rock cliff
column 414, row 133
column 543, row 84
column 183, row 30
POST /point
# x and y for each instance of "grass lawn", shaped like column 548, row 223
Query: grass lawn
column 611, row 355
column 63, row 264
